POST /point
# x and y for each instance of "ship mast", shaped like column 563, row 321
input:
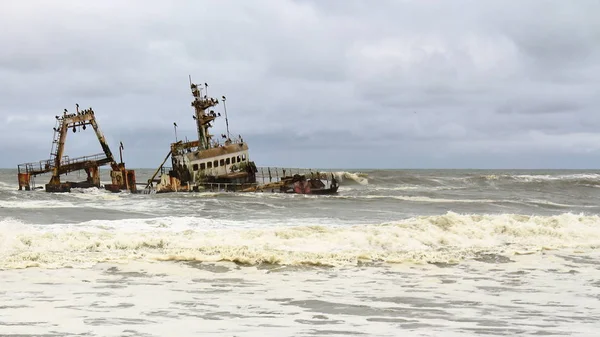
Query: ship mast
column 202, row 117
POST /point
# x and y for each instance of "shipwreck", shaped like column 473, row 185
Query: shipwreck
column 224, row 164
column 204, row 164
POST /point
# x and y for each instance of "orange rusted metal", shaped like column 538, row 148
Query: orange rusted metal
column 122, row 179
column 24, row 179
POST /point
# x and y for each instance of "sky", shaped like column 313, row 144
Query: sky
column 311, row 83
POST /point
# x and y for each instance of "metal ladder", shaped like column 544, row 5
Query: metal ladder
column 55, row 139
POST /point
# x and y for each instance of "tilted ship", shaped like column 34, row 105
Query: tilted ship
column 201, row 163
column 224, row 164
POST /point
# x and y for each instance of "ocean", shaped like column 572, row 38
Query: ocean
column 394, row 253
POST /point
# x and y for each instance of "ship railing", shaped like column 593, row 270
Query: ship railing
column 48, row 165
column 274, row 174
column 94, row 157
column 36, row 167
column 165, row 170
column 220, row 187
column 234, row 140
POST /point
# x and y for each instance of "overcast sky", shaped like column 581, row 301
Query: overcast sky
column 333, row 84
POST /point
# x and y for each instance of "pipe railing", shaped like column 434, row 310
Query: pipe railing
column 47, row 165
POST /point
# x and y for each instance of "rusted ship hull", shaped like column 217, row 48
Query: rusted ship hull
column 273, row 180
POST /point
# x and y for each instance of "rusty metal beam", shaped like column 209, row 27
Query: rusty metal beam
column 103, row 143
column 157, row 170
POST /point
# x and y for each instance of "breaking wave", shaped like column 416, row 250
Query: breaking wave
column 447, row 238
column 346, row 178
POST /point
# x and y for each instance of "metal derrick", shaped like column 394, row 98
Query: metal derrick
column 58, row 164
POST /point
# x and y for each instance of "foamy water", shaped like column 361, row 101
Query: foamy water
column 410, row 253
column 448, row 238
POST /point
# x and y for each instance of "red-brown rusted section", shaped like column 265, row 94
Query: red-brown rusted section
column 93, row 175
column 24, row 181
column 122, row 179
column 131, row 184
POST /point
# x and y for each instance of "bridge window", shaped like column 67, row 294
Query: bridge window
column 209, row 164
column 244, row 157
column 216, row 163
column 227, row 161
column 222, row 162
column 195, row 167
column 238, row 157
column 202, row 166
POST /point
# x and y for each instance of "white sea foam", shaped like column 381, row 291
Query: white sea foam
column 543, row 177
column 7, row 186
column 468, row 201
column 97, row 200
column 28, row 204
column 96, row 194
column 446, row 238
column 416, row 188
column 425, row 199
column 556, row 204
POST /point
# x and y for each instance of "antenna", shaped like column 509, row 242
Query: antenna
column 226, row 120
column 175, row 127
column 121, row 148
column 190, row 77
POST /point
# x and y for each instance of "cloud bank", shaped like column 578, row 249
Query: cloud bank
column 352, row 84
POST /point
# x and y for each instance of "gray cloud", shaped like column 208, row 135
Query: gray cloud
column 337, row 83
